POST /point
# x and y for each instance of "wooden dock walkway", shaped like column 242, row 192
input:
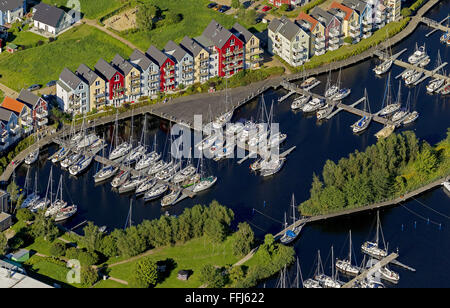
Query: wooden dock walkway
column 436, row 25
column 383, row 262
column 374, row 206
column 428, row 73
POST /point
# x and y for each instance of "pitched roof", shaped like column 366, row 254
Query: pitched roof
column 121, row 64
column 157, row 55
column 140, row 59
column 70, row 79
column 175, row 50
column 87, row 74
column 191, row 46
column 274, row 25
column 310, row 20
column 105, row 69
column 5, row 115
column 12, row 105
column 10, row 5
column 28, row 98
column 357, row 5
column 48, row 14
column 288, row 28
column 348, row 11
column 322, row 16
column 241, row 32
column 217, row 33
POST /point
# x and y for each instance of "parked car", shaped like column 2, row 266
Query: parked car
column 266, row 8
column 224, row 8
column 51, row 83
column 34, row 87
column 211, row 5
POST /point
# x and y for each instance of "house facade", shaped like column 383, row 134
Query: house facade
column 289, row 41
column 9, row 128
column 132, row 77
column 51, row 19
column 184, row 63
column 166, row 68
column 317, row 31
column 332, row 26
column 21, row 111
column 149, row 72
column 364, row 10
column 11, row 10
column 98, row 96
column 72, row 93
column 349, row 20
column 252, row 51
column 37, row 106
column 114, row 80
column 201, row 59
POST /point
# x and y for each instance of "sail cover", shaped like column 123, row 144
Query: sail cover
column 290, row 233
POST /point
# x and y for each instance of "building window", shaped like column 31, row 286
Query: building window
column 232, row 42
column 97, row 83
column 80, row 87
column 116, row 78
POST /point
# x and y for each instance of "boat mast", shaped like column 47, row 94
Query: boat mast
column 293, row 211
column 350, row 248
column 399, row 94
column 378, row 225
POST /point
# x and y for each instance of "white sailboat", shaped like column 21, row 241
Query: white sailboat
column 388, row 107
column 292, row 233
column 47, row 200
column 57, row 204
column 372, row 248
column 119, row 150
column 34, row 155
column 345, row 265
column 363, row 123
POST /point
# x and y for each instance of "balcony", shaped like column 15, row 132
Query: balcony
column 74, row 98
column 204, row 64
column 41, row 114
column 334, row 41
column 188, row 68
column 204, row 73
column 15, row 130
column 320, row 39
column 228, row 54
column 154, row 73
column 188, row 63
column 27, row 120
column 319, row 45
column 169, row 68
column 170, row 75
column 169, row 82
column 238, row 51
column 333, row 47
column 334, row 33
column 254, row 51
column 367, row 35
column 354, row 27
column 42, row 122
column 366, row 22
column 319, row 52
column 298, row 49
column 135, row 77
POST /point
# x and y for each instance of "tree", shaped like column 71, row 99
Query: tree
column 87, row 258
column 236, row 273
column 89, row 276
column 145, row 16
column 13, row 191
column 108, row 246
column 92, row 237
column 3, row 243
column 145, row 273
column 24, row 215
column 173, row 18
column 44, row 227
column 57, row 249
column 235, row 4
column 426, row 161
column 244, row 239
column 406, row 12
column 215, row 230
column 284, row 7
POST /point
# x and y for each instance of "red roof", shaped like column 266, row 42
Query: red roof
column 348, row 11
column 311, row 20
column 13, row 105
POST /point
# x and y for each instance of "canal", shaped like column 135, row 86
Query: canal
column 422, row 244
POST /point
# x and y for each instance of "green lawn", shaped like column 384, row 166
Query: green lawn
column 40, row 245
column 189, row 256
column 48, row 272
column 39, row 65
column 196, row 16
column 92, row 9
column 25, row 38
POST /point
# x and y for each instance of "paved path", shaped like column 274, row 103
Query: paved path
column 8, row 91
column 94, row 23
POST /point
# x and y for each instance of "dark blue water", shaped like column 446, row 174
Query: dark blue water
column 421, row 245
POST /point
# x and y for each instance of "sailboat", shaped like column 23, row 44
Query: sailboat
column 120, row 150
column 412, row 115
column 331, row 90
column 172, row 197
column 385, row 65
column 399, row 115
column 223, row 119
column 146, row 185
column 156, row 192
column 34, row 155
column 136, row 153
column 388, row 107
column 59, row 203
column 32, row 198
column 372, row 248
column 106, row 172
column 345, row 265
column 363, row 123
column 292, row 233
column 327, row 281
column 148, row 159
column 436, row 83
column 47, row 200
column 388, row 274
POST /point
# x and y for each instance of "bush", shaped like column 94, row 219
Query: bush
column 24, row 215
column 406, row 12
column 58, row 249
column 89, row 276
column 348, row 40
column 87, row 258
column 145, row 273
column 72, row 253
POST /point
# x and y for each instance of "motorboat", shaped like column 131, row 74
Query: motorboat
column 327, row 281
column 388, row 274
column 120, row 151
column 32, row 157
column 147, row 160
column 324, row 112
column 168, row 173
column 105, row 173
column 65, row 213
column 156, row 191
column 120, row 179
column 341, row 94
column 331, row 91
column 310, row 83
column 171, row 198
column 314, row 105
column 55, row 207
column 299, row 102
column 276, row 139
column 204, row 184
column 311, row 284
column 418, row 55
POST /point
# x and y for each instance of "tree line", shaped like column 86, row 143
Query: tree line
column 383, row 171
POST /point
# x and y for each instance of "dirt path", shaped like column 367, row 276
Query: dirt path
column 94, row 23
column 8, row 92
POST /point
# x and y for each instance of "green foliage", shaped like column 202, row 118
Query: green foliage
column 92, row 237
column 108, row 246
column 385, row 170
column 13, row 191
column 348, row 40
column 244, row 240
column 235, row 4
column 212, row 277
column 406, row 12
column 3, row 244
column 247, row 16
column 310, row 5
column 58, row 249
column 416, row 5
column 172, row 18
column 145, row 273
column 215, row 230
column 44, row 227
column 236, row 274
column 146, row 15
column 24, row 215
column 88, row 276
column 284, row 7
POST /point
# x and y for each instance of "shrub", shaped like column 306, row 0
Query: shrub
column 58, row 249
column 406, row 12
column 24, row 215
column 87, row 258
column 89, row 276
